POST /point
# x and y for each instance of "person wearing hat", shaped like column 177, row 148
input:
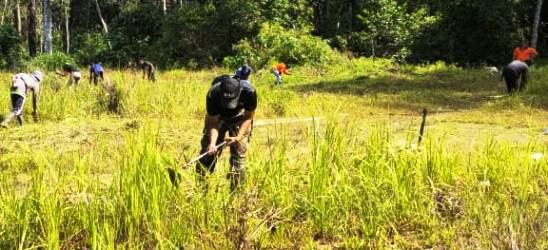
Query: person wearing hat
column 243, row 72
column 21, row 84
column 72, row 71
column 230, row 106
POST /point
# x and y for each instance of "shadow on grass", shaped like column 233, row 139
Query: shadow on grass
column 435, row 90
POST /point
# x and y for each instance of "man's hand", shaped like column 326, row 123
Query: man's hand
column 232, row 140
column 212, row 149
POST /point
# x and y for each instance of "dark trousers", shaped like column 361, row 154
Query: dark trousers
column 17, row 103
column 236, row 173
column 150, row 75
column 510, row 76
column 514, row 80
column 97, row 76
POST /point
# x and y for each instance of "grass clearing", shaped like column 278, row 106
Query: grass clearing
column 88, row 176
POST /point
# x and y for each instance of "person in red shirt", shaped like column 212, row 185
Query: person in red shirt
column 525, row 53
column 278, row 70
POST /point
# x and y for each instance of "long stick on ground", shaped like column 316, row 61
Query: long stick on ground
column 175, row 177
column 202, row 156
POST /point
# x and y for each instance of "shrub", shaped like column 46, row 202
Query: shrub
column 51, row 61
column 91, row 47
column 275, row 42
column 111, row 99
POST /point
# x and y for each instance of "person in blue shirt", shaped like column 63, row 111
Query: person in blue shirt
column 96, row 72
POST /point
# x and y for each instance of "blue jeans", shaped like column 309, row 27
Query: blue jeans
column 278, row 76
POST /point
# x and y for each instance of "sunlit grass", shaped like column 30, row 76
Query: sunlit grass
column 89, row 176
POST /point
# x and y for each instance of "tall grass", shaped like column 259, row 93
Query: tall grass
column 345, row 191
column 87, row 177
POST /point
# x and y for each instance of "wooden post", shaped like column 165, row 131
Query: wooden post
column 423, row 123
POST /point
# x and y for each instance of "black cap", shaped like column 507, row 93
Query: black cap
column 230, row 93
column 244, row 72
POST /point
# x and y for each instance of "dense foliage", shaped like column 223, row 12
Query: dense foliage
column 10, row 48
column 275, row 43
column 193, row 33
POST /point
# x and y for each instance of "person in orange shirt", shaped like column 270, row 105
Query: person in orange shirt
column 278, row 70
column 525, row 53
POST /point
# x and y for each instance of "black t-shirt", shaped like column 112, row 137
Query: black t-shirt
column 147, row 66
column 70, row 68
column 247, row 100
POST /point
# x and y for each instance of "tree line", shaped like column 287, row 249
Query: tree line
column 198, row 33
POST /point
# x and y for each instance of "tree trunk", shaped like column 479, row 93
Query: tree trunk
column 47, row 36
column 67, row 26
column 17, row 15
column 31, row 32
column 4, row 12
column 103, row 23
column 350, row 16
column 164, row 6
column 534, row 35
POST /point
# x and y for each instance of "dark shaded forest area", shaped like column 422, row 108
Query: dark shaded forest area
column 201, row 33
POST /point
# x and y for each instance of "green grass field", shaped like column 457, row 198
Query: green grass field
column 92, row 172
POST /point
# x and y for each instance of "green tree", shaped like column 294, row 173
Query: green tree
column 389, row 28
column 11, row 50
column 470, row 32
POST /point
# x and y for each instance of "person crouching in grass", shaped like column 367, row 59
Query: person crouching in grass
column 72, row 71
column 515, row 75
column 278, row 71
column 148, row 70
column 230, row 106
column 96, row 73
column 21, row 84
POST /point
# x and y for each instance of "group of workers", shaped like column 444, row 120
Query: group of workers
column 23, row 84
column 516, row 73
column 97, row 73
column 230, row 105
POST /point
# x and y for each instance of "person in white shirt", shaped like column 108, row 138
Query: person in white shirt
column 21, row 85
